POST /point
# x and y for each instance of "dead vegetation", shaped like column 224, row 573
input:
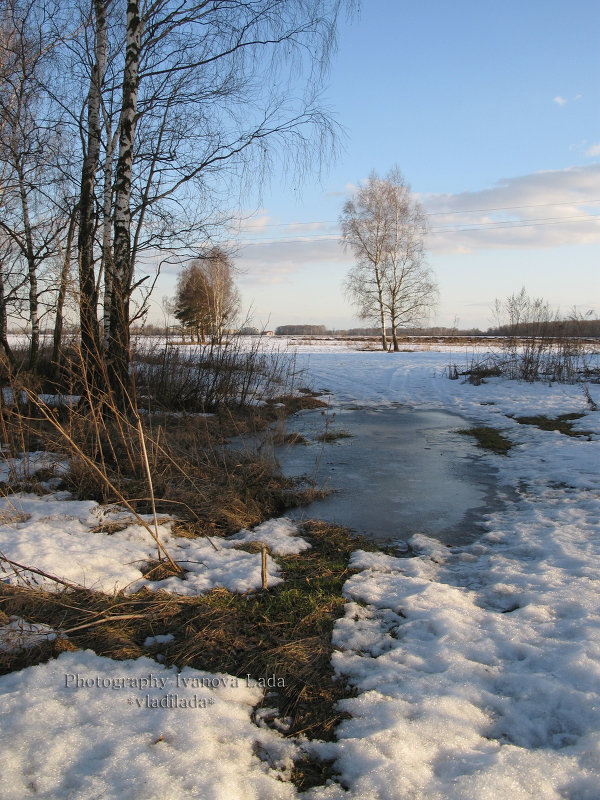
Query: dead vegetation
column 333, row 436
column 536, row 345
column 161, row 462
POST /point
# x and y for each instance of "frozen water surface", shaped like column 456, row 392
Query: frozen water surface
column 402, row 471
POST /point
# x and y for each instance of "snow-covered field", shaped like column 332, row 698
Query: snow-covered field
column 477, row 669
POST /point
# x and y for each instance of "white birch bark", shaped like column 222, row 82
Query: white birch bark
column 88, row 293
column 118, row 344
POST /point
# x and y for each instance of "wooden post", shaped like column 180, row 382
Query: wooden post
column 264, row 566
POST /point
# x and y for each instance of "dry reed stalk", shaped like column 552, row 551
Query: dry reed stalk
column 92, row 411
column 15, row 566
column 102, row 621
column 148, row 478
column 88, row 461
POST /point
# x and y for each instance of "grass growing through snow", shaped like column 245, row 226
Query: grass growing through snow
column 195, row 476
column 489, row 439
column 563, row 423
column 284, row 631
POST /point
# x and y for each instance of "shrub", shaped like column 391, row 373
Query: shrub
column 205, row 377
column 537, row 345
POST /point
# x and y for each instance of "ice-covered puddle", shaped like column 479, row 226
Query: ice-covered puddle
column 401, row 471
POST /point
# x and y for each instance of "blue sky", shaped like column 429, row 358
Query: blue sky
column 482, row 106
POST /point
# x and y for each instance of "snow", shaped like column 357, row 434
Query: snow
column 161, row 638
column 476, row 669
column 91, row 731
column 60, row 536
column 281, row 535
column 26, row 465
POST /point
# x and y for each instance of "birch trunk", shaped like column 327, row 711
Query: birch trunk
column 88, row 292
column 381, row 307
column 118, row 342
column 62, row 291
column 4, row 324
column 34, row 347
column 107, row 255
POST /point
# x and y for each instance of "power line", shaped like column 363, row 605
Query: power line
column 493, row 225
column 511, row 208
column 515, row 224
column 446, row 213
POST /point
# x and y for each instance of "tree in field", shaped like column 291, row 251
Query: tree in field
column 207, row 299
column 191, row 302
column 384, row 226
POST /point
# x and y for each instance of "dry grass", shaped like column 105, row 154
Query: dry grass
column 178, row 465
column 333, row 436
column 289, row 438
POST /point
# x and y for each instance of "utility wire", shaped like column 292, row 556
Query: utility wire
column 499, row 225
column 445, row 213
column 459, row 228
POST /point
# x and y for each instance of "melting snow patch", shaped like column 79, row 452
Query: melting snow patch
column 26, row 465
column 280, row 535
column 162, row 638
column 56, row 535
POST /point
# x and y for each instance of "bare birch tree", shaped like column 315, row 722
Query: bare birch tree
column 365, row 231
column 167, row 107
column 206, row 89
column 88, row 292
column 410, row 290
column 385, row 226
column 30, row 218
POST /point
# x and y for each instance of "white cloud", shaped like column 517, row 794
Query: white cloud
column 560, row 100
column 593, row 151
column 252, row 221
column 277, row 262
column 305, row 227
column 553, row 208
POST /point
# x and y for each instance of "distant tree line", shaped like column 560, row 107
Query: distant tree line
column 301, row 330
column 321, row 330
column 588, row 328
